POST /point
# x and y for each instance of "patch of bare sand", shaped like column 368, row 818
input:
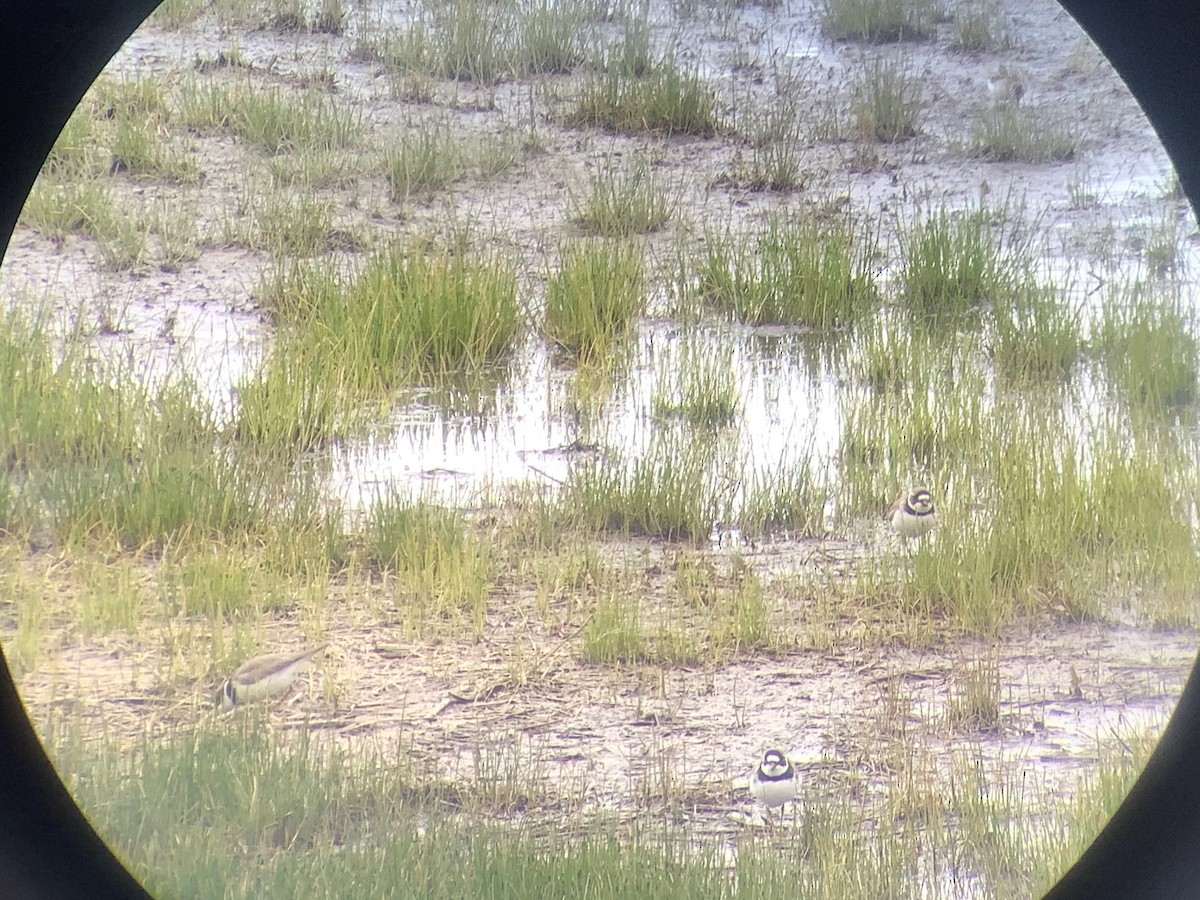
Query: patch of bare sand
column 521, row 702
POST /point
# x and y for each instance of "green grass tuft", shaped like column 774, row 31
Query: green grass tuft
column 789, row 500
column 1007, row 132
column 666, row 99
column 439, row 565
column 594, row 299
column 1037, row 335
column 1147, row 342
column 409, row 315
column 700, row 387
column 674, row 492
column 979, row 26
column 879, row 21
column 956, row 263
column 625, row 201
column 887, row 102
column 273, row 120
column 801, row 273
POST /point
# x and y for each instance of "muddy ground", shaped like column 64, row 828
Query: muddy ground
column 608, row 737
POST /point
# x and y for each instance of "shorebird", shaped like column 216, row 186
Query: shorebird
column 774, row 781
column 261, row 677
column 1007, row 85
column 912, row 515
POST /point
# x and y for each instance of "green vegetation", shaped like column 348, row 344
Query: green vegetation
column 625, row 202
column 273, row 119
column 673, row 492
column 1163, row 247
column 122, row 127
column 930, row 424
column 287, row 223
column 1006, row 132
column 631, row 55
column 1038, row 336
column 618, row 425
column 955, row 263
column 614, row 634
column 410, row 314
column 703, row 390
column 483, row 42
column 439, row 566
column 802, row 272
column 1147, row 343
column 423, row 163
column 1096, row 526
column 204, row 810
column 776, row 160
column 330, row 17
column 410, row 306
column 719, row 615
column 593, row 300
column 879, row 21
column 467, row 40
column 887, row 102
column 549, row 38
column 1089, row 535
column 666, row 99
column 428, row 161
column 113, row 460
column 303, row 397
column 318, row 169
column 58, row 208
column 790, row 500
column 117, row 133
column 177, row 13
column 979, row 26
column 975, row 698
column 137, row 114
column 75, row 151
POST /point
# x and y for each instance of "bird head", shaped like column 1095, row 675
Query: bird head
column 227, row 697
column 921, row 502
column 774, row 764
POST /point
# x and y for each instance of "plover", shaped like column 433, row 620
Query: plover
column 912, row 515
column 1007, row 85
column 774, row 781
column 263, row 676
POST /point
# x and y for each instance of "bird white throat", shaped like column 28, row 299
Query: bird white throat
column 913, row 515
column 263, row 676
column 774, row 781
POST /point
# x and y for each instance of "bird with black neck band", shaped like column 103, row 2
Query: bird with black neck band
column 774, row 782
column 912, row 515
column 263, row 677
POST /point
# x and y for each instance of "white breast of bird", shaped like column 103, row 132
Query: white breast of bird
column 773, row 783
